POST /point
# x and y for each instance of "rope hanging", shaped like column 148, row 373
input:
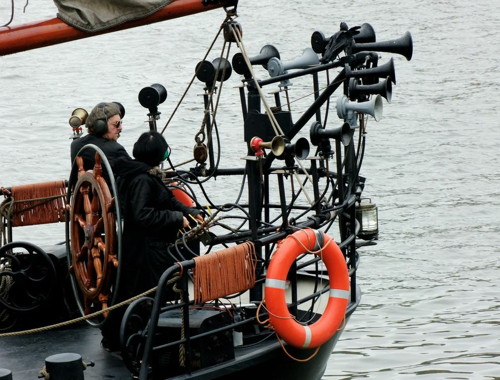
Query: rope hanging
column 38, row 203
column 225, row 272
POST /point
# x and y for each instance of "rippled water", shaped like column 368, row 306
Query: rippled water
column 431, row 304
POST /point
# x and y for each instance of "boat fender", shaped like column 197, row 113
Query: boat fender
column 181, row 195
column 285, row 324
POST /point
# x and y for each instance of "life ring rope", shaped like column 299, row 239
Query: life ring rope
column 284, row 323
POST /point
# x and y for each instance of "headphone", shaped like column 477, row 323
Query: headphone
column 100, row 126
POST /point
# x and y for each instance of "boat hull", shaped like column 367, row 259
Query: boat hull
column 269, row 360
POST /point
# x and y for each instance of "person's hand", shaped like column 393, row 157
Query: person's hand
column 185, row 222
column 199, row 218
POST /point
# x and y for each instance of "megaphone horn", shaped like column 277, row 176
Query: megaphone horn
column 78, row 117
column 402, row 45
column 152, row 96
column 266, row 53
column 365, row 34
column 382, row 71
column 383, row 88
column 319, row 42
column 277, row 145
column 299, row 149
column 343, row 133
column 372, row 107
column 308, row 58
column 219, row 69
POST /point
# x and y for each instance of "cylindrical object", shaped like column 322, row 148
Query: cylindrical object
column 66, row 366
column 5, row 374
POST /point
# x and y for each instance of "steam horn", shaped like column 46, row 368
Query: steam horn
column 372, row 107
column 299, row 149
column 366, row 33
column 343, row 133
column 402, row 45
column 382, row 71
column 151, row 97
column 206, row 71
column 383, row 88
column 308, row 58
column 266, row 53
column 277, row 145
column 78, row 117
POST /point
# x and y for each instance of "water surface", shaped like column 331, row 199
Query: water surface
column 430, row 305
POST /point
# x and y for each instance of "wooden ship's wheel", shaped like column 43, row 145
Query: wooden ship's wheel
column 93, row 237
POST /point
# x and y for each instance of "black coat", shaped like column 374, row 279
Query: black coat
column 112, row 149
column 152, row 218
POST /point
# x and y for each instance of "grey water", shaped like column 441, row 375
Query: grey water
column 431, row 290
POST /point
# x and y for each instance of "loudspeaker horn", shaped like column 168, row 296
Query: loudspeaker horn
column 365, row 34
column 152, row 96
column 78, row 117
column 308, row 58
column 219, row 69
column 373, row 107
column 266, row 53
column 382, row 71
column 277, row 145
column 383, row 88
column 402, row 45
column 343, row 133
column 299, row 149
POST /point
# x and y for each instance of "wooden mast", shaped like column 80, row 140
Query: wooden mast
column 55, row 31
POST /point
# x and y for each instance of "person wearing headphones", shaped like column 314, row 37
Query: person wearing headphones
column 152, row 217
column 104, row 125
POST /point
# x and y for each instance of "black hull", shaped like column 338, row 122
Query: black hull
column 25, row 356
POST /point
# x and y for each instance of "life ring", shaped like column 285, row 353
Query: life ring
column 181, row 195
column 292, row 332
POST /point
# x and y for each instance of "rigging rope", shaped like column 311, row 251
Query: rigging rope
column 88, row 316
column 274, row 123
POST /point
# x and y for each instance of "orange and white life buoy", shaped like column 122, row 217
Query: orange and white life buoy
column 292, row 332
column 181, row 195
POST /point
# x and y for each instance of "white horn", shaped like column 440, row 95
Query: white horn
column 308, row 58
column 372, row 107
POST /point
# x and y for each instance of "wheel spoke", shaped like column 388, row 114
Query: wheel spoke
column 96, row 259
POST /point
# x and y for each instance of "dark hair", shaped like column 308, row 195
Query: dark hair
column 150, row 148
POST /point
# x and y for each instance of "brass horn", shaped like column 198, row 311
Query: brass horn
column 308, row 58
column 219, row 69
column 382, row 71
column 277, row 145
column 373, row 107
column 78, row 117
column 266, row 53
column 366, row 33
column 383, row 88
column 402, row 45
column 343, row 133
